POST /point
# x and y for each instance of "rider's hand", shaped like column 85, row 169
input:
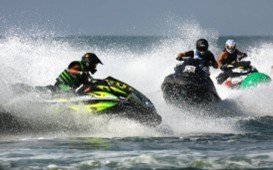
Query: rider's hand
column 179, row 58
column 82, row 72
column 242, row 56
column 223, row 67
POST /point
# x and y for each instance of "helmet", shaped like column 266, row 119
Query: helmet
column 91, row 58
column 90, row 61
column 230, row 46
column 202, row 45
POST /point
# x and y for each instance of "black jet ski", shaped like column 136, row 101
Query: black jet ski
column 108, row 96
column 189, row 85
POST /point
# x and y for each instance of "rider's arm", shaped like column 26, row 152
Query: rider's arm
column 213, row 61
column 74, row 68
column 88, row 79
column 241, row 54
column 221, row 57
column 183, row 54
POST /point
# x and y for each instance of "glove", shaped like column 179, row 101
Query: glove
column 179, row 58
column 223, row 67
column 242, row 56
column 83, row 72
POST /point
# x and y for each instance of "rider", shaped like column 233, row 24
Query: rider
column 202, row 54
column 77, row 73
column 229, row 56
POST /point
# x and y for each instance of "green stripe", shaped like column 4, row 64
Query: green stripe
column 68, row 76
column 70, row 79
column 64, row 78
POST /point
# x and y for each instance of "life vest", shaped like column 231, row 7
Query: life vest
column 230, row 57
column 203, row 61
column 73, row 81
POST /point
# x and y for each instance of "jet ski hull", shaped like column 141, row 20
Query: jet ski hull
column 243, row 79
column 97, row 107
column 254, row 79
column 188, row 89
column 190, row 85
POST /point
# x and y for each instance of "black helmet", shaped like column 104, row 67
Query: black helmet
column 202, row 45
column 90, row 61
column 91, row 58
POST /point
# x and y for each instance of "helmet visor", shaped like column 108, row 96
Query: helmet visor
column 231, row 47
column 202, row 50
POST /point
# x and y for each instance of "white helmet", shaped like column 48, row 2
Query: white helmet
column 230, row 46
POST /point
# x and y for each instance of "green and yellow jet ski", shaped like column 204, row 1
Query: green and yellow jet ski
column 99, row 97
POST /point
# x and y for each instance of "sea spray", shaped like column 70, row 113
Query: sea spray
column 39, row 60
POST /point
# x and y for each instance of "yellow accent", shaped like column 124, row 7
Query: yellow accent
column 117, row 90
column 93, row 108
column 120, row 85
column 102, row 87
column 101, row 95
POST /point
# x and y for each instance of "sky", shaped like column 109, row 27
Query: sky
column 136, row 17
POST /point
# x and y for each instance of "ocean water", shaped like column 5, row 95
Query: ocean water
column 236, row 135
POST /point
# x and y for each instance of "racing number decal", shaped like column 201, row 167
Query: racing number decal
column 118, row 84
column 122, row 86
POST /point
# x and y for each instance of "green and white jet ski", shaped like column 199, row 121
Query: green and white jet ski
column 242, row 77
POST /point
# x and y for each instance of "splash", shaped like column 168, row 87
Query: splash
column 255, row 101
column 39, row 60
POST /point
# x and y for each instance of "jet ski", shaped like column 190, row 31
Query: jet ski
column 107, row 96
column 242, row 76
column 189, row 85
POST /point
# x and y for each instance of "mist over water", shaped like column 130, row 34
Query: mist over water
column 142, row 62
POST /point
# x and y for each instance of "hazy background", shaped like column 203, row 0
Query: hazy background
column 135, row 17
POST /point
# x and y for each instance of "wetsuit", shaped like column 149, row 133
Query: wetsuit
column 232, row 59
column 206, row 60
